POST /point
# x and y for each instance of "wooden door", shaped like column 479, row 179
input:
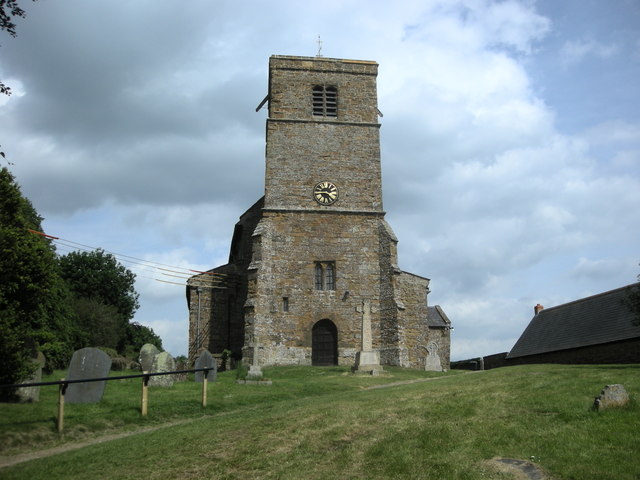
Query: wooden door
column 324, row 348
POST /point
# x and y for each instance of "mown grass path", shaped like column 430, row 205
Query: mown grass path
column 316, row 423
column 7, row 461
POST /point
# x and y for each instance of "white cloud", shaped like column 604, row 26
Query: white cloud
column 575, row 51
column 602, row 267
column 135, row 131
column 617, row 133
column 173, row 333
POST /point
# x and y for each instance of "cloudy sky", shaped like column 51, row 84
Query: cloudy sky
column 510, row 139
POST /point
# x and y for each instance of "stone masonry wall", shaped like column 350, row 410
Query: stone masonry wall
column 300, row 155
column 412, row 321
column 271, row 302
column 291, row 80
column 304, row 149
column 291, row 243
column 220, row 312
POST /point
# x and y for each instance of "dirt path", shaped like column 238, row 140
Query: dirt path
column 7, row 461
column 418, row 380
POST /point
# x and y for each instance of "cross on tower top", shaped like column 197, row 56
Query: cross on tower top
column 319, row 54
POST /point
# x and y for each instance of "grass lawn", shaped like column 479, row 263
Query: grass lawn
column 323, row 423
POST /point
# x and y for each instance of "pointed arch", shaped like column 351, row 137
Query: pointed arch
column 324, row 343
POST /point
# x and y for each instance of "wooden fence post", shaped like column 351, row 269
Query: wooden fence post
column 204, row 388
column 145, row 394
column 61, row 391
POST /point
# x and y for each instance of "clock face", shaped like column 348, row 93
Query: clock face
column 325, row 193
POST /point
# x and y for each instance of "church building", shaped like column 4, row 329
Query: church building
column 313, row 276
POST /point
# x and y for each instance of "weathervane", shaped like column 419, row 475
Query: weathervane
column 319, row 47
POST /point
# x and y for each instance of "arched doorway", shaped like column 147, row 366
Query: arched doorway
column 324, row 343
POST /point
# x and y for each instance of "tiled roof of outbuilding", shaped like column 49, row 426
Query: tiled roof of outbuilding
column 594, row 320
column 437, row 318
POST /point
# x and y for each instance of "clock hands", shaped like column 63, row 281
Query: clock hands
column 325, row 193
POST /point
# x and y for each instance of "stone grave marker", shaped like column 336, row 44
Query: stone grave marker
column 162, row 362
column 367, row 359
column 147, row 354
column 204, row 360
column 432, row 362
column 32, row 394
column 87, row 363
column 611, row 396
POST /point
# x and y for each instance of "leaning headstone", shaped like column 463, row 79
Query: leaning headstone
column 206, row 360
column 32, row 394
column 87, row 363
column 147, row 354
column 611, row 396
column 162, row 362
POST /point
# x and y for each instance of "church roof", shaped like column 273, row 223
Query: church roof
column 436, row 318
column 594, row 320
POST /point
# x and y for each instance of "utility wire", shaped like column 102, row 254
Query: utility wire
column 194, row 278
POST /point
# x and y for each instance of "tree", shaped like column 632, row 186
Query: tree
column 137, row 336
column 98, row 323
column 34, row 301
column 98, row 278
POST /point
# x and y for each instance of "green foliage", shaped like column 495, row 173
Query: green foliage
column 15, row 365
column 99, row 276
column 112, row 352
column 137, row 335
column 181, row 362
column 34, row 301
column 241, row 372
column 9, row 9
column 57, row 355
column 227, row 357
column 105, row 296
column 100, row 324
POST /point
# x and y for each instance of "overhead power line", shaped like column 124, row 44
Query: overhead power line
column 192, row 277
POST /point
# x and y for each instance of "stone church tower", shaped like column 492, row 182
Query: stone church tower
column 314, row 258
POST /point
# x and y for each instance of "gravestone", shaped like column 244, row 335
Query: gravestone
column 611, row 396
column 162, row 362
column 432, row 362
column 206, row 360
column 87, row 363
column 367, row 359
column 32, row 394
column 147, row 354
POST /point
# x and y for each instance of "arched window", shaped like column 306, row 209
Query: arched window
column 325, row 101
column 325, row 275
column 330, row 278
column 319, row 276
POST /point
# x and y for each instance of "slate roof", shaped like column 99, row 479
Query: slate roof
column 589, row 321
column 436, row 318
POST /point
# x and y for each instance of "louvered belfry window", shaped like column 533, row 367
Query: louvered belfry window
column 325, row 101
